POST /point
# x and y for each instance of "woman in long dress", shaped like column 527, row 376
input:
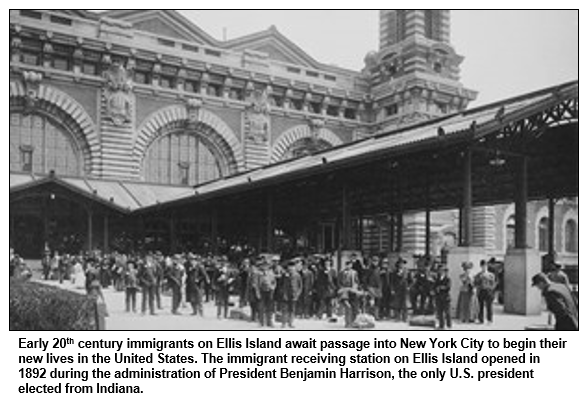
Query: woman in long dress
column 467, row 306
column 78, row 277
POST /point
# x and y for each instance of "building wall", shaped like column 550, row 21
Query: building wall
column 107, row 94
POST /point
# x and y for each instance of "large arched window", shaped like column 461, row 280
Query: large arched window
column 543, row 233
column 40, row 145
column 571, row 237
column 180, row 158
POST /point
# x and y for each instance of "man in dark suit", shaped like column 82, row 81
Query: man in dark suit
column 401, row 287
column 373, row 286
column 265, row 285
column 195, row 281
column 442, row 286
column 290, row 291
column 148, row 282
column 308, row 279
column 386, row 290
column 174, row 276
column 559, row 301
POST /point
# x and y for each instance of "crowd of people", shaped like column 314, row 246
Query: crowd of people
column 282, row 290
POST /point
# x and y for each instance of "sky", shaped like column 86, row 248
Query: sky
column 507, row 53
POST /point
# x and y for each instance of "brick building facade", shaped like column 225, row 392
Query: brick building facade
column 135, row 107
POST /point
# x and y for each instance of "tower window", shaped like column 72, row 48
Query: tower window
column 401, row 25
column 438, row 67
column 433, row 24
column 391, row 110
column 392, row 70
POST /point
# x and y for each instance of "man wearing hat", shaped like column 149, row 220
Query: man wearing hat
column 441, row 289
column 400, row 290
column 557, row 275
column 307, row 272
column 251, row 290
column 373, row 286
column 291, row 289
column 174, row 275
column 559, row 301
column 265, row 285
column 196, row 278
column 148, row 282
column 485, row 284
column 223, row 284
column 348, row 293
column 131, row 286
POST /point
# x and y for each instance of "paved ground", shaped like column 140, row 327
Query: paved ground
column 120, row 320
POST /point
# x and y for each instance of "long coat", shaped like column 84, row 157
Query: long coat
column 291, row 286
column 560, row 302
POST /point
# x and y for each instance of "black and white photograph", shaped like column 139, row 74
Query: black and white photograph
column 279, row 170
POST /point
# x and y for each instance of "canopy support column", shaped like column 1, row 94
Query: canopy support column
column 90, row 230
column 270, row 223
column 467, row 208
column 551, row 227
column 106, row 234
column 428, row 218
column 522, row 204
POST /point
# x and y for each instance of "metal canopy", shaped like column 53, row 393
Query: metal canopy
column 123, row 197
column 421, row 166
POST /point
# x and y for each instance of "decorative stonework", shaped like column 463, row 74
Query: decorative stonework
column 32, row 84
column 109, row 27
column 316, row 125
column 256, row 117
column 118, row 94
column 193, row 108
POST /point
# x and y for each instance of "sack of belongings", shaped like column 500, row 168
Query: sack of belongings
column 364, row 321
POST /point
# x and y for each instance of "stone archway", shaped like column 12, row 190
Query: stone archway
column 291, row 136
column 216, row 132
column 570, row 216
column 60, row 106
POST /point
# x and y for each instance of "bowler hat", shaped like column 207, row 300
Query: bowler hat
column 538, row 279
column 467, row 265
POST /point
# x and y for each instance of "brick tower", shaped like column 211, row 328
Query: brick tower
column 415, row 75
